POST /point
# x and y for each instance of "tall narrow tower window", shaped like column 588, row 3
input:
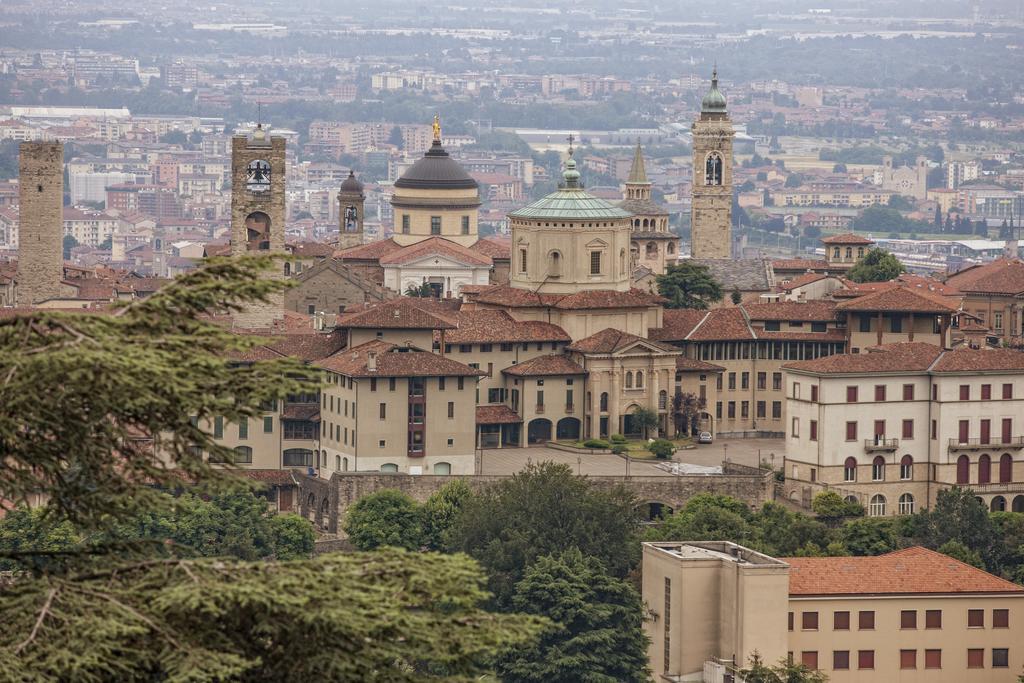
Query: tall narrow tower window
column 522, row 260
column 713, row 169
column 595, row 263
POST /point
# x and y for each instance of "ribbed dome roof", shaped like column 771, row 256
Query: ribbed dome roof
column 714, row 101
column 351, row 185
column 570, row 202
column 436, row 171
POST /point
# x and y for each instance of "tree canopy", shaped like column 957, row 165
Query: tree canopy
column 878, row 265
column 385, row 518
column 689, row 285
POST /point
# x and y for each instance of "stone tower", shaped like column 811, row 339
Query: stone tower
column 711, row 212
column 257, row 212
column 637, row 186
column 350, row 212
column 41, row 206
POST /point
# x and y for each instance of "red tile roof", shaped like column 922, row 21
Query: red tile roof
column 610, row 340
column 404, row 313
column 393, row 361
column 496, row 415
column 495, row 247
column 904, row 572
column 506, row 295
column 542, row 366
column 277, row 477
column 847, row 238
column 1003, row 276
column 677, row 323
column 980, row 360
column 685, row 364
column 900, row 299
column 436, row 246
column 490, row 326
column 371, row 252
column 900, row 357
column 310, row 249
column 801, row 280
column 301, row 412
column 722, row 323
column 792, row 311
column 801, row 264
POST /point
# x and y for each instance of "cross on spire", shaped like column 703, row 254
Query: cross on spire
column 570, row 138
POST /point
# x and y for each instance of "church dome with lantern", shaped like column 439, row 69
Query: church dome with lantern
column 436, row 197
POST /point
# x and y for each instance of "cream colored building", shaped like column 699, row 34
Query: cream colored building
column 893, row 426
column 393, row 408
column 843, row 251
column 910, row 616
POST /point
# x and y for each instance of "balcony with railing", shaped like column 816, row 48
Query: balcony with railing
column 993, row 443
column 881, row 444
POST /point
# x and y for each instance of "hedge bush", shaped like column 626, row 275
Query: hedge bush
column 596, row 443
column 618, row 438
column 662, row 448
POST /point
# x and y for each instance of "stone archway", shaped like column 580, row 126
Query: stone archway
column 257, row 231
column 654, row 510
column 568, row 428
column 539, row 430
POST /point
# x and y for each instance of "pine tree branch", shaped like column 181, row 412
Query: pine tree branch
column 39, row 620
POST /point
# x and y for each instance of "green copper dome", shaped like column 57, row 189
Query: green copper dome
column 714, row 101
column 570, row 202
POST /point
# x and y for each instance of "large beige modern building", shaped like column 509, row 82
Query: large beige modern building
column 910, row 616
column 893, row 426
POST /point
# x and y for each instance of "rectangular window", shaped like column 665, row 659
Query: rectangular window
column 718, row 410
column 451, row 410
column 908, row 429
column 668, row 624
column 935, row 429
column 1007, row 391
column 595, row 263
column 965, row 392
column 771, row 325
column 391, row 384
column 851, row 394
column 814, row 430
column 1000, row 618
column 795, row 429
column 540, row 399
column 933, row 618
column 809, row 621
column 908, row 392
column 865, row 659
column 851, row 431
column 744, row 409
column 762, row 380
column 218, row 427
column 1000, row 658
column 465, row 225
column 896, row 323
column 440, row 383
column 796, row 389
column 790, row 621
column 933, row 659
column 268, row 425
column 383, row 411
column 865, row 322
column 879, row 392
column 814, row 393
column 745, row 380
column 986, row 392
column 840, row 660
column 243, row 428
column 908, row 659
column 866, row 620
column 908, row 618
column 435, row 225
column 809, row 659
column 761, row 409
column 975, row 618
column 776, row 410
column 776, row 381
column 975, row 658
column 732, row 381
column 841, row 621
column 718, row 381
column 522, row 260
column 732, row 410
column 819, row 327
column 406, row 229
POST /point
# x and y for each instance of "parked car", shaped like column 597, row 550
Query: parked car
column 704, row 437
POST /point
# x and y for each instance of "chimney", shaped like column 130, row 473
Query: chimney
column 371, row 361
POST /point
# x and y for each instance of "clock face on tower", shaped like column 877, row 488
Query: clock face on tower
column 257, row 176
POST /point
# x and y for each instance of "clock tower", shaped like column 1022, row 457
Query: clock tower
column 257, row 212
column 711, row 212
column 350, row 212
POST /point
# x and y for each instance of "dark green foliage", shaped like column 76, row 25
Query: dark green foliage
column 661, row 448
column 735, row 297
column 617, row 438
column 831, row 508
column 959, row 551
column 440, row 512
column 335, row 618
column 596, row 632
column 385, row 518
column 877, row 265
column 423, row 291
column 69, row 243
column 870, row 536
column 596, row 443
column 689, row 285
column 646, row 419
column 959, row 516
column 783, row 672
column 540, row 511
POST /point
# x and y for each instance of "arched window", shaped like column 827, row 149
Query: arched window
column 298, row 457
column 1018, row 504
column 713, row 169
column 850, row 470
column 662, row 400
column 907, row 467
column 554, row 264
column 963, row 470
column 1005, row 468
column 442, row 468
column 629, row 379
column 337, row 463
column 389, row 467
column 860, row 252
column 835, row 252
column 851, row 499
column 287, row 268
column 878, row 468
column 243, row 454
column 906, row 505
column 984, row 469
column 671, row 248
column 998, row 504
column 636, row 223
column 646, row 224
column 877, row 506
column 604, row 402
column 344, row 464
column 639, row 379
column 849, row 252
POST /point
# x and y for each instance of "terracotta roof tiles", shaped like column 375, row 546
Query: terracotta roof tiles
column 404, row 313
column 610, row 340
column 545, row 366
column 847, row 238
column 1003, row 276
column 495, row 247
column 373, row 251
column 900, row 299
column 904, row 572
column 506, row 295
column 980, row 360
column 436, row 246
column 677, row 323
column 393, row 361
column 494, row 415
column 722, row 323
column 490, row 326
column 900, row 357
column 685, row 364
column 793, row 311
column 799, row 264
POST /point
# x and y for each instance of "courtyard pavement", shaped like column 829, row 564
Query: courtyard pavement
column 743, row 451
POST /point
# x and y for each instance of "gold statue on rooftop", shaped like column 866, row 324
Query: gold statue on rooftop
column 437, row 128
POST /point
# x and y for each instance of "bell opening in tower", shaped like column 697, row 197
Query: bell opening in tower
column 257, row 231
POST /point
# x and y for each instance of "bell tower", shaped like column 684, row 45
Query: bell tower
column 351, row 199
column 711, row 206
column 257, row 212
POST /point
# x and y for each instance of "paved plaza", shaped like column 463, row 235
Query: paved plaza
column 742, row 451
